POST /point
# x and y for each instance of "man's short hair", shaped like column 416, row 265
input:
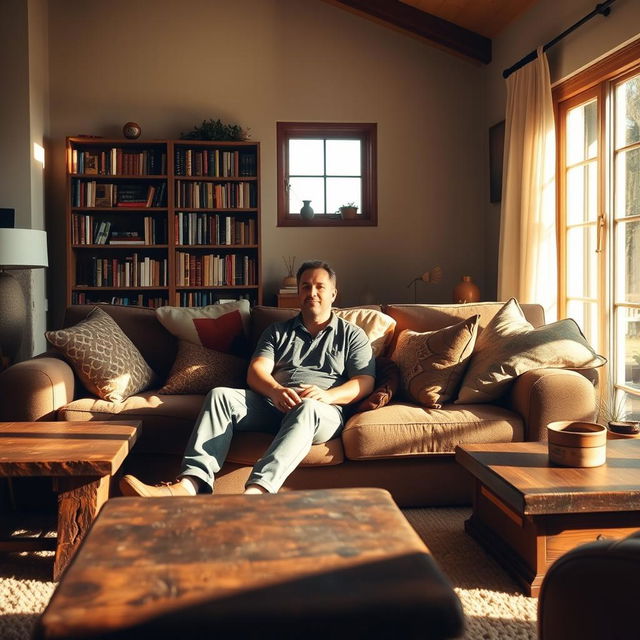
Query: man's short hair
column 316, row 264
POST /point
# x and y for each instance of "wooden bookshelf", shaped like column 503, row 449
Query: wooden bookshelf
column 154, row 222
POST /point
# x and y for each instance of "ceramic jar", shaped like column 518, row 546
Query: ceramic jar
column 466, row 291
column 306, row 212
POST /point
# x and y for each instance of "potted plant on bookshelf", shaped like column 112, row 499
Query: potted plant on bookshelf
column 216, row 130
column 348, row 211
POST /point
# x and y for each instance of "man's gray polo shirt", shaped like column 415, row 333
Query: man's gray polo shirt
column 339, row 352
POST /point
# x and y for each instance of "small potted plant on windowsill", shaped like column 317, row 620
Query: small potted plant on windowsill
column 612, row 414
column 348, row 211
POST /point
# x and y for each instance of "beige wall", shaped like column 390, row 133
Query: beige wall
column 255, row 62
column 539, row 25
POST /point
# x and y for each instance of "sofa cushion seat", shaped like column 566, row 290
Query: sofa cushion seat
column 167, row 420
column 402, row 430
column 248, row 446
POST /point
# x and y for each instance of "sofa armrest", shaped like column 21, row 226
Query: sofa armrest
column 591, row 592
column 542, row 396
column 34, row 389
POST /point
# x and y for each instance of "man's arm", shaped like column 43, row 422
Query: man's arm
column 261, row 381
column 351, row 391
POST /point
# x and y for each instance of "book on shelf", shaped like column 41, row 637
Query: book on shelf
column 288, row 291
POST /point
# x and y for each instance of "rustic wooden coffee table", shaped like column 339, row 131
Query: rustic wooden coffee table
column 528, row 513
column 81, row 457
column 312, row 564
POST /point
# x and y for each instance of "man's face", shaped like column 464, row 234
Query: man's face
column 316, row 291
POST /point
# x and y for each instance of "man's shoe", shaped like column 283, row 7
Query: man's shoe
column 131, row 486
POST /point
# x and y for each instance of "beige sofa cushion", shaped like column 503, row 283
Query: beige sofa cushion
column 247, row 447
column 198, row 370
column 377, row 325
column 167, row 421
column 509, row 346
column 103, row 357
column 432, row 363
column 402, row 430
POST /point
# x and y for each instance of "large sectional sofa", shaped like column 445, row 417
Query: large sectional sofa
column 402, row 447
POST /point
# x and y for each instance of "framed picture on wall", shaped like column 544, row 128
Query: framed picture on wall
column 496, row 154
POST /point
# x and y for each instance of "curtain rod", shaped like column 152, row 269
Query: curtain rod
column 604, row 9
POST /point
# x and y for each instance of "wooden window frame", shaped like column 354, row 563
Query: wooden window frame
column 367, row 133
column 596, row 81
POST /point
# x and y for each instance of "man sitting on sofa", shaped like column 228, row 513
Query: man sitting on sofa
column 302, row 373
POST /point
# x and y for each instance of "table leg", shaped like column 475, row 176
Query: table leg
column 79, row 501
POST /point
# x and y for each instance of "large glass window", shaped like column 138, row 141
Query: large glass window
column 599, row 216
column 329, row 166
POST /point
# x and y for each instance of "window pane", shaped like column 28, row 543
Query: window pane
column 627, row 262
column 306, row 158
column 586, row 315
column 582, row 133
column 582, row 263
column 306, row 189
column 582, row 193
column 343, row 157
column 343, row 191
column 628, row 346
column 628, row 112
column 628, row 183
column 631, row 406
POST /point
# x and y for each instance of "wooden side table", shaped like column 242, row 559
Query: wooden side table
column 80, row 457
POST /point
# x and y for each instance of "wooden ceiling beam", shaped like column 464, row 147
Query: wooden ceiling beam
column 437, row 30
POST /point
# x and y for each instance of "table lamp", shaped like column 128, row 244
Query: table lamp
column 19, row 249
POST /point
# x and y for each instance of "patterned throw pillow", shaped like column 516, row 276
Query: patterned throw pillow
column 433, row 363
column 387, row 385
column 103, row 357
column 378, row 326
column 198, row 370
column 509, row 346
column 222, row 327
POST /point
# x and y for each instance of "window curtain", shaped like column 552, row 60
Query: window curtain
column 528, row 256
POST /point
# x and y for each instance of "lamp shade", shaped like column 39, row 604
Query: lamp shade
column 23, row 249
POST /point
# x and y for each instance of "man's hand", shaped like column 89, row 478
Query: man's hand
column 315, row 393
column 284, row 398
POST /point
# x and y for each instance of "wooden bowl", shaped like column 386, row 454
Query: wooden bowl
column 577, row 444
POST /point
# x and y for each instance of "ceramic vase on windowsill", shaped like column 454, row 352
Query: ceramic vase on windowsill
column 306, row 212
column 466, row 291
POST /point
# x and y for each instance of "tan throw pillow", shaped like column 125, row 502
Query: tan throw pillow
column 198, row 370
column 433, row 363
column 378, row 326
column 222, row 327
column 386, row 386
column 105, row 360
column 509, row 346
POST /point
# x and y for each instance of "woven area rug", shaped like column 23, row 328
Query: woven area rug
column 495, row 609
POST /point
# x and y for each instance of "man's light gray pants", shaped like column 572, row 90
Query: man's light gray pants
column 226, row 410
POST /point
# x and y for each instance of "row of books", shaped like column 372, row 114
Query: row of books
column 204, row 298
column 89, row 193
column 204, row 228
column 139, row 300
column 212, row 270
column 86, row 229
column 118, row 162
column 131, row 271
column 211, row 195
column 215, row 163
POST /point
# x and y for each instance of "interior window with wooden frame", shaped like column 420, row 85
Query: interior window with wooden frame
column 331, row 165
column 598, row 122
